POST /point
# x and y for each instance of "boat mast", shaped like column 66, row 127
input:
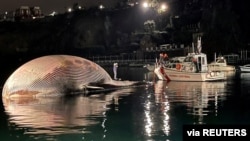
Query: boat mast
column 215, row 57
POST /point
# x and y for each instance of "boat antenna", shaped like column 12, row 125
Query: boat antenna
column 215, row 57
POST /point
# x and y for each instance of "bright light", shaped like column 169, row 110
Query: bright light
column 69, row 10
column 53, row 13
column 163, row 7
column 145, row 5
column 101, row 6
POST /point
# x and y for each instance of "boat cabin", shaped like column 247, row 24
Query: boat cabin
column 196, row 62
column 172, row 62
column 220, row 61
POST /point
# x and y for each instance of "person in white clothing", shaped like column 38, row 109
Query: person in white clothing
column 115, row 66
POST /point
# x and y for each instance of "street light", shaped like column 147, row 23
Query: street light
column 155, row 6
column 163, row 7
column 101, row 6
column 145, row 5
column 69, row 10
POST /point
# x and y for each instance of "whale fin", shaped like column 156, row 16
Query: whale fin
column 94, row 87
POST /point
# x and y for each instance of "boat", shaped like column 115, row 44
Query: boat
column 245, row 68
column 189, row 71
column 193, row 68
column 220, row 64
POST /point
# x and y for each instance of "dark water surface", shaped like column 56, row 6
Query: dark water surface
column 153, row 112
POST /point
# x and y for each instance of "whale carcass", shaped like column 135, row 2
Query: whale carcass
column 55, row 75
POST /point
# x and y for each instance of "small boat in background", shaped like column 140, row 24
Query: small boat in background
column 245, row 68
column 220, row 64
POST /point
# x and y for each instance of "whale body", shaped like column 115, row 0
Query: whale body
column 55, row 75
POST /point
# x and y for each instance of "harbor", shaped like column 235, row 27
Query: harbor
column 134, row 60
column 157, row 111
column 124, row 70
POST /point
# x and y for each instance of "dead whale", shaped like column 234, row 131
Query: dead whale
column 55, row 75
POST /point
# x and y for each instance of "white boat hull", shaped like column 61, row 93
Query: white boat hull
column 245, row 68
column 169, row 74
column 221, row 68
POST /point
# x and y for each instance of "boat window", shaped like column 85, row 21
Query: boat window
column 221, row 61
column 202, row 60
column 188, row 59
column 171, row 61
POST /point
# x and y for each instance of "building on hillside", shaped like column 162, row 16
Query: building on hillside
column 36, row 12
column 23, row 13
column 28, row 13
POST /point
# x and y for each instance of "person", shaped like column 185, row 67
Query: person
column 115, row 66
column 165, row 56
column 161, row 60
column 194, row 60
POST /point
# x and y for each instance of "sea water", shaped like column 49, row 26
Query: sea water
column 155, row 111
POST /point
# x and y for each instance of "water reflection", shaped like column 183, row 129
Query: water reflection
column 60, row 115
column 230, row 75
column 162, row 99
column 156, row 107
column 245, row 76
column 149, row 76
column 197, row 99
column 200, row 98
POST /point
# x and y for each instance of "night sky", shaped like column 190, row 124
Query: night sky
column 48, row 6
